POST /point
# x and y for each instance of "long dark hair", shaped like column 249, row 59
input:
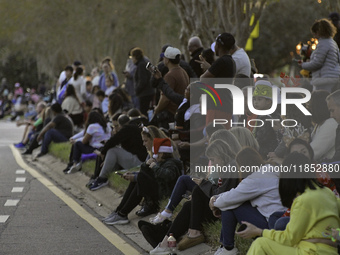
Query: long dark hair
column 289, row 187
column 71, row 92
column 78, row 72
column 95, row 117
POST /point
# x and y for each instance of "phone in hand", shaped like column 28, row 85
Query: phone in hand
column 242, row 228
column 150, row 67
column 121, row 172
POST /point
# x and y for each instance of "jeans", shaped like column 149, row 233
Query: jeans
column 230, row 218
column 184, row 183
column 80, row 148
column 277, row 222
column 52, row 135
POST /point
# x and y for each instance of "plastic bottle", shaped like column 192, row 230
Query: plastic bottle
column 172, row 244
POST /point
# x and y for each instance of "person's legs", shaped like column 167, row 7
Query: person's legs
column 181, row 223
column 200, row 210
column 273, row 218
column 265, row 246
column 230, row 218
column 80, row 148
column 118, row 155
column 281, row 223
column 144, row 104
column 131, row 202
column 52, row 135
column 184, row 183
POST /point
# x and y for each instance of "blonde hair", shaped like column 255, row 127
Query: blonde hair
column 228, row 137
column 154, row 132
column 220, row 149
column 245, row 137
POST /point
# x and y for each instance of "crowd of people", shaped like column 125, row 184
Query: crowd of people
column 153, row 121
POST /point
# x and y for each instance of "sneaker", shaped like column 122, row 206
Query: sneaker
column 117, row 220
column 160, row 251
column 26, row 152
column 109, row 216
column 90, row 183
column 19, row 145
column 159, row 218
column 75, row 168
column 224, row 251
column 99, row 183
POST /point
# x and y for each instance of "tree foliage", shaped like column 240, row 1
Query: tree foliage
column 58, row 32
column 282, row 26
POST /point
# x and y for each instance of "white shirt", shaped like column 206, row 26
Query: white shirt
column 242, row 62
column 79, row 86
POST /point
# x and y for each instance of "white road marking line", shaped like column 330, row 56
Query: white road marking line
column 3, row 218
column 21, row 179
column 112, row 237
column 12, row 202
column 17, row 189
column 20, row 171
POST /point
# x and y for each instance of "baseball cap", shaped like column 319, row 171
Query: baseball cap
column 171, row 53
column 227, row 40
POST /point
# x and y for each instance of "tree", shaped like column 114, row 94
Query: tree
column 208, row 18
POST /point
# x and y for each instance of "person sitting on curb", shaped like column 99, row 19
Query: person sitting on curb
column 155, row 180
column 59, row 130
column 96, row 132
column 125, row 150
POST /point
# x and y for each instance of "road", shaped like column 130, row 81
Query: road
column 38, row 218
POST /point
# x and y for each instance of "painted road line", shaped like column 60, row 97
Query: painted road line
column 112, row 237
column 17, row 189
column 3, row 218
column 20, row 179
column 12, row 202
column 20, row 171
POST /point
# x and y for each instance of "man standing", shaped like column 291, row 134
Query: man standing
column 195, row 48
column 178, row 80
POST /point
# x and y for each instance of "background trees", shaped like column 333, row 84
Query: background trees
column 39, row 38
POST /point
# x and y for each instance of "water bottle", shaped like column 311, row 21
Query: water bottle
column 172, row 244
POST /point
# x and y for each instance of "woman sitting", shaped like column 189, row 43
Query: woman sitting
column 253, row 200
column 155, row 180
column 72, row 107
column 313, row 209
column 196, row 211
column 96, row 132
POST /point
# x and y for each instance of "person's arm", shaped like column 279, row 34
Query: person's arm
column 207, row 74
column 319, row 57
column 115, row 140
column 248, row 189
column 87, row 138
column 163, row 103
column 167, row 90
column 45, row 129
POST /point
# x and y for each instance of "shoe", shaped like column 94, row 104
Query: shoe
column 109, row 216
column 159, row 218
column 26, row 152
column 224, row 251
column 99, row 183
column 188, row 242
column 75, row 168
column 40, row 155
column 117, row 220
column 160, row 251
column 90, row 183
column 19, row 145
column 146, row 210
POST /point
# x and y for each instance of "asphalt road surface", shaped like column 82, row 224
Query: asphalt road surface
column 34, row 220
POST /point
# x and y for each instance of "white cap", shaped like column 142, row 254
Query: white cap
column 171, row 52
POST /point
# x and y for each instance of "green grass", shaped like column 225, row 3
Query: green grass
column 211, row 230
column 62, row 151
